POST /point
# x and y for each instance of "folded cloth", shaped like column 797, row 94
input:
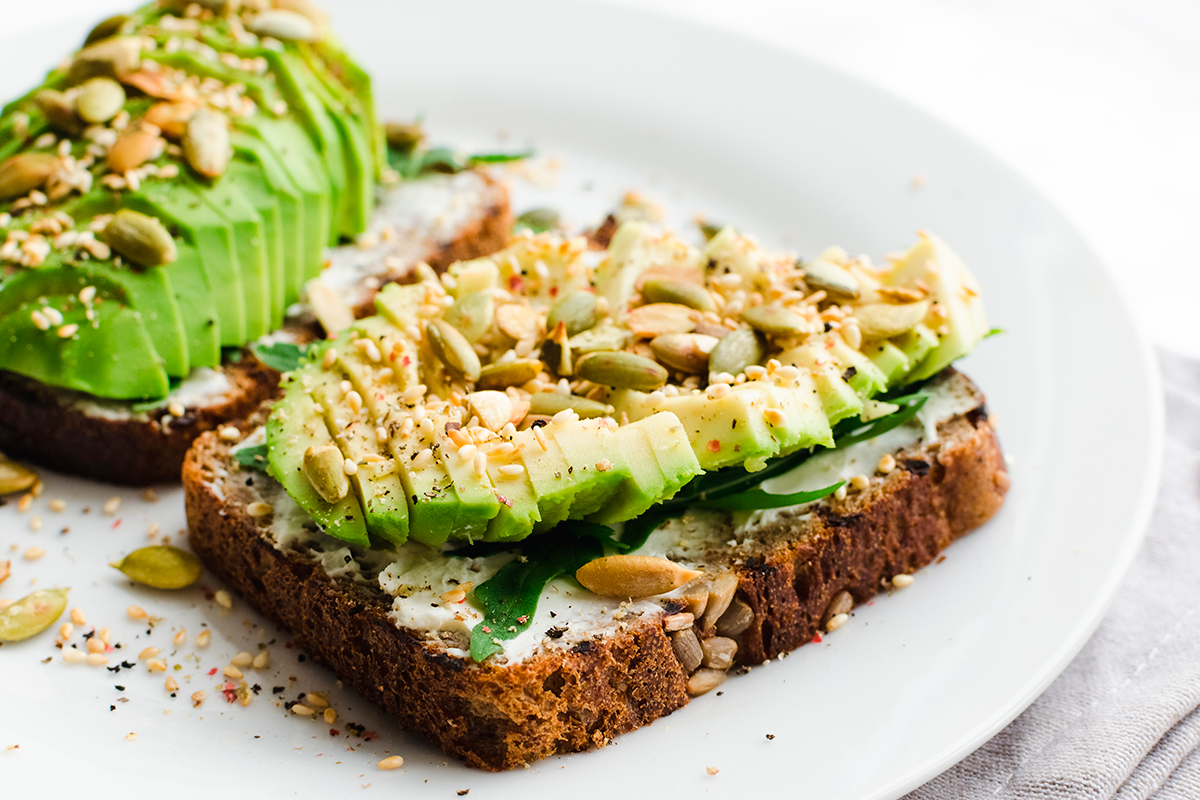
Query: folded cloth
column 1123, row 720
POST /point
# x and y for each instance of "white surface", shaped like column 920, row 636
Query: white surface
column 805, row 158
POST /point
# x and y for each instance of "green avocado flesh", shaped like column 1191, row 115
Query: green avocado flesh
column 440, row 449
column 305, row 155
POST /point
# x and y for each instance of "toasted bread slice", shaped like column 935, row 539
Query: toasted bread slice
column 576, row 686
column 438, row 219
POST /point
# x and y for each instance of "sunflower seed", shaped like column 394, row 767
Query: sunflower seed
column 140, row 238
column 704, row 680
column 135, row 146
column 776, row 320
column 578, row 310
column 161, row 567
column 602, row 337
column 453, row 349
column 509, row 373
column 282, row 24
column 735, row 351
column 110, row 58
column 518, row 321
column 556, row 351
column 686, row 352
column 884, row 320
column 325, row 469
column 736, row 619
column 106, row 29
column 171, row 117
column 32, row 614
column 719, row 652
column 14, row 477
column 547, row 404
column 494, row 408
column 59, row 111
column 833, row 278
column 656, row 319
column 633, row 576
column 661, row 290
column 206, row 143
column 687, row 649
column 24, row 172
column 622, row 371
column 472, row 314
column 99, row 100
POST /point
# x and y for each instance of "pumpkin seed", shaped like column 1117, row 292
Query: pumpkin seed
column 622, row 371
column 32, row 614
column 140, row 238
column 633, row 576
column 106, row 29
column 538, row 220
column 687, row 352
column 24, row 172
column 884, row 320
column 110, row 58
column 776, row 320
column 656, row 319
column 578, row 310
column 556, row 351
column 735, row 351
column 59, row 111
column 135, row 146
column 99, row 100
column 660, row 290
column 472, row 314
column 605, row 336
column 547, row 404
column 452, row 348
column 325, row 469
column 171, row 117
column 15, row 477
column 282, row 24
column 509, row 373
column 402, row 136
column 161, row 566
column 518, row 321
column 833, row 278
column 206, row 143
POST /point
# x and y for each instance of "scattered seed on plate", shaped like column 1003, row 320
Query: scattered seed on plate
column 203, row 638
column 156, row 665
column 231, row 671
column 262, row 660
column 131, row 736
column 180, row 637
column 67, row 630
column 171, row 684
column 901, row 581
column 330, row 716
column 78, row 617
column 198, row 698
column 303, row 710
column 150, row 496
column 149, row 652
column 57, row 506
column 223, row 598
column 94, row 645
column 110, row 507
column 73, row 656
column 96, row 659
column 391, row 762
column 136, row 612
column 242, row 659
column 34, row 553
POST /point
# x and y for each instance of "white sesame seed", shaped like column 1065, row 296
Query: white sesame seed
column 835, row 622
column 330, row 358
column 391, row 762
column 330, row 716
column 303, row 710
column 262, row 660
column 604, row 465
column 111, row 506
column 73, row 656
column 840, row 494
column 230, row 671
column 260, row 509
column 566, row 415
column 136, row 612
column 887, row 463
column 717, row 391
column 34, row 553
column 54, row 315
column 860, row 482
column 511, row 470
column 87, row 294
column 156, row 665
column 345, row 386
column 381, row 434
column 230, row 433
column 412, row 394
column 67, row 331
column 224, row 600
column 104, row 634
column 39, row 320
column 480, row 464
column 198, row 698
column 902, row 581
column 467, row 452
column 203, row 638
column 354, row 400
column 170, row 684
column 149, row 652
column 774, row 417
column 350, row 467
column 423, row 459
column 96, row 659
column 35, row 524
column 77, row 617
column 67, row 630
column 176, row 409
column 153, row 529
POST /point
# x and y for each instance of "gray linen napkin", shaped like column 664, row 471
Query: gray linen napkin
column 1123, row 720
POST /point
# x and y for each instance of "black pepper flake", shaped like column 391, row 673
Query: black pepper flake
column 849, row 373
column 277, row 690
column 112, row 708
column 118, row 687
column 556, row 632
column 288, row 705
column 771, row 736
column 300, row 658
column 256, row 688
column 720, row 694
column 463, row 792
column 47, row 659
column 537, row 423
column 346, row 559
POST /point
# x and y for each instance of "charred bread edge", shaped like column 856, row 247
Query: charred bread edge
column 35, row 424
column 565, row 701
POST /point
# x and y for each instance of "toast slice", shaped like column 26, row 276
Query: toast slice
column 437, row 219
column 779, row 578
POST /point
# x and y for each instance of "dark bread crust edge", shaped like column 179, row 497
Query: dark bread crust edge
column 565, row 701
column 36, row 425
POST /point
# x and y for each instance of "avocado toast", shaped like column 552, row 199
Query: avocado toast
column 548, row 497
column 165, row 197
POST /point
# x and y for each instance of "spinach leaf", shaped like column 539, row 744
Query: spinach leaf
column 252, row 457
column 993, row 332
column 499, row 158
column 422, row 161
column 279, row 356
column 757, row 499
column 538, row 220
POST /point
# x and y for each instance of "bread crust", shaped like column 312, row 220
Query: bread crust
column 564, row 701
column 45, row 426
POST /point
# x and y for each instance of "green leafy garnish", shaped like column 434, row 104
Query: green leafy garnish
column 252, row 457
column 421, row 161
column 993, row 332
column 510, row 597
column 538, row 220
column 757, row 499
column 499, row 158
column 279, row 356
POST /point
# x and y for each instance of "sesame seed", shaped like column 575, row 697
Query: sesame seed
column 330, row 716
column 95, row 645
column 774, row 417
column 262, row 660
column 176, row 409
column 840, row 494
column 717, row 391
column 198, row 698
column 511, row 470
column 67, row 630
column 67, row 331
column 711, row 770
column 755, row 372
column 788, row 373
column 34, row 553
column 330, row 358
column 180, row 637
column 381, row 434
column 170, row 684
column 391, row 762
column 350, row 467
column 604, row 465
column 87, row 294
column 230, row 671
column 57, row 506
column 73, row 656
column 242, row 659
column 303, row 710
column 105, row 635
column 354, row 400
column 902, row 581
column 423, row 459
column 414, row 393
column 653, row 399
column 25, row 502
column 467, row 452
column 316, row 699
column 39, row 320
column 835, row 622
column 153, row 529
column 860, row 482
column 149, row 652
column 260, row 509
column 156, row 665
column 223, row 599
column 77, row 617
column 111, row 506
column 96, row 659
column 35, row 524
column 480, row 464
column 136, row 612
column 541, row 437
column 230, row 434
column 887, row 463
column 204, row 637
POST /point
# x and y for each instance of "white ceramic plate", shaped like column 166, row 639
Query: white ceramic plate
column 805, row 157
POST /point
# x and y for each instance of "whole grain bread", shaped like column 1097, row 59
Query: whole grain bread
column 569, row 699
column 64, row 431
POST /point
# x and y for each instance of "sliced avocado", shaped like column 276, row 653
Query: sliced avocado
column 838, row 398
column 249, row 180
column 547, row 468
column 432, row 501
column 858, row 370
column 212, row 237
column 293, row 426
column 196, row 307
column 518, row 503
column 916, row 344
column 287, row 282
column 593, row 461
column 109, row 355
column 660, row 461
column 804, row 423
column 888, row 358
